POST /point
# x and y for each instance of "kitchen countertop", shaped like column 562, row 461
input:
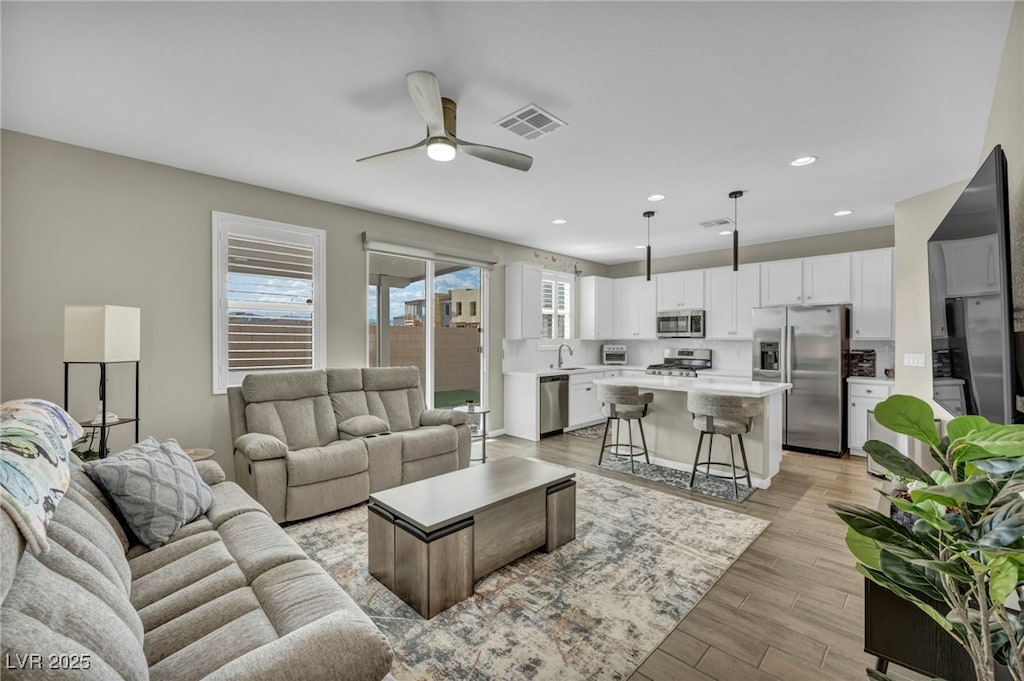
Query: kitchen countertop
column 584, row 369
column 717, row 386
column 869, row 380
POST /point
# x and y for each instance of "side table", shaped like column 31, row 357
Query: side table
column 199, row 453
column 477, row 429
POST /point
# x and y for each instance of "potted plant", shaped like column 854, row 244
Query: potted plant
column 965, row 547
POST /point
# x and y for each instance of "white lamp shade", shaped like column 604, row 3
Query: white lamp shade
column 101, row 333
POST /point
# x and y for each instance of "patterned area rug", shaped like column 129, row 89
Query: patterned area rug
column 590, row 432
column 593, row 609
column 709, row 485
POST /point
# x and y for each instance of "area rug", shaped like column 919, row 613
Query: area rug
column 709, row 485
column 589, row 432
column 593, row 609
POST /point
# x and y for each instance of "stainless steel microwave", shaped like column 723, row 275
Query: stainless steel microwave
column 681, row 324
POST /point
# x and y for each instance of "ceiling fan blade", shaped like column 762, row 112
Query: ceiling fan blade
column 426, row 96
column 505, row 157
column 394, row 153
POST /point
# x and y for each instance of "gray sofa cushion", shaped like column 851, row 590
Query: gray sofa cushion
column 390, row 378
column 299, row 423
column 438, row 417
column 285, row 385
column 336, row 460
column 401, row 407
column 155, row 486
column 361, row 426
column 349, row 404
column 428, row 441
column 344, row 380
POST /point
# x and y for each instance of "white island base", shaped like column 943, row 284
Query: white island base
column 672, row 439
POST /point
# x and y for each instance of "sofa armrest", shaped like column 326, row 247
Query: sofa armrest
column 330, row 648
column 440, row 417
column 210, row 472
column 260, row 446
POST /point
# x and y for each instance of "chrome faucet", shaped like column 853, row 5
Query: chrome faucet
column 563, row 345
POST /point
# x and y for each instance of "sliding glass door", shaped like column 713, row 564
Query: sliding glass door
column 430, row 315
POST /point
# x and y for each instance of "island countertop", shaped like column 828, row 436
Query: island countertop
column 717, row 386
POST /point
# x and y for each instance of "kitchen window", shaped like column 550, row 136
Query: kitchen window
column 268, row 298
column 556, row 303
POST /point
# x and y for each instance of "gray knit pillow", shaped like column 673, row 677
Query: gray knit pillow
column 156, row 486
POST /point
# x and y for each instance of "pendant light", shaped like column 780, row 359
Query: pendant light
column 648, row 214
column 735, row 196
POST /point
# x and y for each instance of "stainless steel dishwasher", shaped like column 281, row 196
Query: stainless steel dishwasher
column 554, row 403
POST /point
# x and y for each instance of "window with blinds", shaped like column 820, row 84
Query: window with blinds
column 556, row 302
column 267, row 307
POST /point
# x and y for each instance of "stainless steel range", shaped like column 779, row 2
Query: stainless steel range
column 680, row 362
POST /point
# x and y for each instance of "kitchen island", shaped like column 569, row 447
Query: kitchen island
column 672, row 439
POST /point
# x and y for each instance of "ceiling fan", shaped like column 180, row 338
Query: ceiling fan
column 441, row 143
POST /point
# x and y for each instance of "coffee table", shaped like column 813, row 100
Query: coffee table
column 429, row 541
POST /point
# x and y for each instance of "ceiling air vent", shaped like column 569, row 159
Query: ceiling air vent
column 531, row 122
column 717, row 223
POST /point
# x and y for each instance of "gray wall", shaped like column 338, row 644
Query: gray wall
column 917, row 218
column 82, row 226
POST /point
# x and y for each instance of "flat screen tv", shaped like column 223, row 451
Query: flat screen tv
column 973, row 364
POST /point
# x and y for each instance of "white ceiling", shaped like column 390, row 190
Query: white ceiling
column 690, row 100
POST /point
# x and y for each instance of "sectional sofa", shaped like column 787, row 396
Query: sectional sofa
column 310, row 442
column 229, row 597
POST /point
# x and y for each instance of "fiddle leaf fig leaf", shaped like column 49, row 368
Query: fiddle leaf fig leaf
column 963, row 426
column 1002, row 579
column 910, row 416
column 892, row 459
column 863, row 548
column 1002, row 441
column 977, row 491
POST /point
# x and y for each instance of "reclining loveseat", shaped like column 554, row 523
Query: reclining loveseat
column 309, row 442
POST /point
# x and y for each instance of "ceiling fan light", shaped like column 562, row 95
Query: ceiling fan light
column 440, row 149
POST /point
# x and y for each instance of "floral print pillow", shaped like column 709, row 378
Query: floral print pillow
column 35, row 441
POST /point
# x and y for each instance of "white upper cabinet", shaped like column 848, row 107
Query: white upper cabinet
column 680, row 290
column 522, row 300
column 731, row 298
column 635, row 314
column 807, row 281
column 972, row 266
column 827, row 279
column 597, row 308
column 872, row 295
column 782, row 282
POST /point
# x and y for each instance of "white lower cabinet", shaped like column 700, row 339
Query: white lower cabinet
column 864, row 397
column 584, row 406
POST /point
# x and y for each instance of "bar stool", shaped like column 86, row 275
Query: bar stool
column 722, row 415
column 623, row 403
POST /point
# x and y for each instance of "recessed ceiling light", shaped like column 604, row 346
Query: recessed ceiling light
column 725, row 232
column 803, row 161
column 842, row 213
column 656, row 197
column 559, row 221
column 640, row 246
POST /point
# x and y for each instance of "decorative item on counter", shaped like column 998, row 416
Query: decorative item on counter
column 862, row 363
column 890, row 372
column 941, row 366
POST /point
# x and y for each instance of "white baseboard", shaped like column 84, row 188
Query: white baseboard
column 495, row 433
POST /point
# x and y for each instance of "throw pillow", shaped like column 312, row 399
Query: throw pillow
column 361, row 426
column 156, row 486
column 35, row 444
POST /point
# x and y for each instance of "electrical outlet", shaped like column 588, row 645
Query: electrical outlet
column 911, row 359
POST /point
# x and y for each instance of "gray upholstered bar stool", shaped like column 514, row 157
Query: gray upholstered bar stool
column 623, row 403
column 722, row 415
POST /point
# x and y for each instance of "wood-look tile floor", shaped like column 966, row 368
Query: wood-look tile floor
column 791, row 608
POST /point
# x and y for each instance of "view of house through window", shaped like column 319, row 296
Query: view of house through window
column 399, row 313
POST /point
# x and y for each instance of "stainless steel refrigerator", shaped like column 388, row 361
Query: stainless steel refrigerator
column 806, row 346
